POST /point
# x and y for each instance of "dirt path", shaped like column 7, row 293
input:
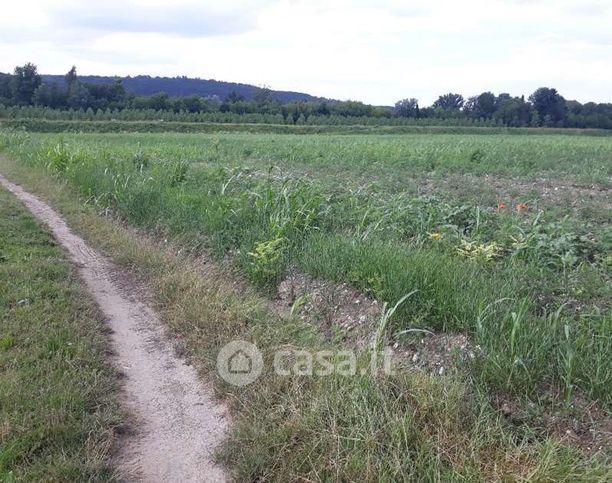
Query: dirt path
column 178, row 425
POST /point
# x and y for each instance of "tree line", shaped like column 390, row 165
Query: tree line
column 545, row 107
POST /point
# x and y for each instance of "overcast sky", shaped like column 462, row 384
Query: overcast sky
column 374, row 51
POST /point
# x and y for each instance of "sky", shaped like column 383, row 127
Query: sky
column 372, row 51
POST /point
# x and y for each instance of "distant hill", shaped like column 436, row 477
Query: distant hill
column 144, row 85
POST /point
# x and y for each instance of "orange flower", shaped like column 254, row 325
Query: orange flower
column 501, row 206
column 521, row 207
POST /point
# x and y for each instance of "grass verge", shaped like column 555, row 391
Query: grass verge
column 58, row 413
column 373, row 428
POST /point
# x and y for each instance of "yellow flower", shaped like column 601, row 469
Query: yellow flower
column 435, row 236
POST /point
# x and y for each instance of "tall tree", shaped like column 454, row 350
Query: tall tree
column 77, row 95
column 481, row 106
column 25, row 81
column 449, row 102
column 50, row 95
column 5, row 87
column 407, row 108
column 71, row 76
column 103, row 96
column 512, row 111
column 549, row 104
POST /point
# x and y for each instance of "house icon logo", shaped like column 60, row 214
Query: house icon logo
column 239, row 363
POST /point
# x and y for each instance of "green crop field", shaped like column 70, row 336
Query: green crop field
column 503, row 239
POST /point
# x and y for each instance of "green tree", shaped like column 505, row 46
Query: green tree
column 50, row 95
column 512, row 111
column 159, row 101
column 25, row 81
column 111, row 95
column 234, row 97
column 407, row 108
column 481, row 106
column 549, row 105
column 5, row 87
column 449, row 102
column 322, row 109
column 78, row 96
column 262, row 95
column 71, row 77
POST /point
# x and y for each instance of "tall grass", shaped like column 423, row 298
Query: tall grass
column 388, row 158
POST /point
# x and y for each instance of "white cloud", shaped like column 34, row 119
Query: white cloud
column 376, row 51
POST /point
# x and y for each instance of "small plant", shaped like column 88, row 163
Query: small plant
column 265, row 260
column 552, row 244
column 173, row 173
column 568, row 365
column 477, row 155
column 298, row 304
column 385, row 318
column 478, row 251
column 6, row 342
column 178, row 172
column 59, row 157
column 141, row 160
column 372, row 283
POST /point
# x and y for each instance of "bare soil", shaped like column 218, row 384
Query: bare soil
column 177, row 425
column 339, row 310
column 343, row 312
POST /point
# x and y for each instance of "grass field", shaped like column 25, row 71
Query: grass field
column 364, row 157
column 504, row 239
column 57, row 409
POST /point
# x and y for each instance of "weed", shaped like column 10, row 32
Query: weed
column 59, row 157
column 384, row 320
column 177, row 172
column 478, row 251
column 6, row 342
column 265, row 261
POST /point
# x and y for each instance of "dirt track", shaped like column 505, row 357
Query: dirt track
column 177, row 424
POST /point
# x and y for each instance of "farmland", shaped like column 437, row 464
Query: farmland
column 503, row 241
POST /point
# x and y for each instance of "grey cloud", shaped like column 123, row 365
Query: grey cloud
column 181, row 20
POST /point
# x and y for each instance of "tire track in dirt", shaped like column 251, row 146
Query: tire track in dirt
column 177, row 423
